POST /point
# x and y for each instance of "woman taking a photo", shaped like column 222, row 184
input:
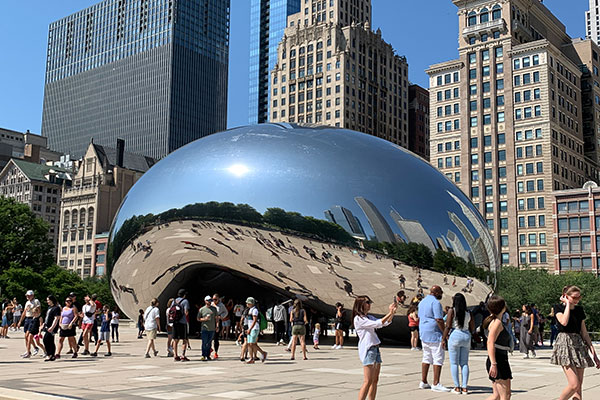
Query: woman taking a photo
column 368, row 342
column 413, row 326
column 461, row 324
column 339, row 326
column 299, row 322
column 573, row 345
column 498, row 346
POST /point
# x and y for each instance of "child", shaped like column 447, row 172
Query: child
column 140, row 323
column 37, row 323
column 316, row 334
column 105, row 319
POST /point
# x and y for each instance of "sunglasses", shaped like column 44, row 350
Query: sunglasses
column 68, row 301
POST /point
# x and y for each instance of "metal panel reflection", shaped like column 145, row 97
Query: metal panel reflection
column 278, row 210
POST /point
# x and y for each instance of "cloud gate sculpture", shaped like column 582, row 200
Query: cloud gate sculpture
column 280, row 211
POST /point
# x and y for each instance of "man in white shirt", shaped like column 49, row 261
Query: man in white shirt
column 151, row 324
column 89, row 315
column 221, row 313
column 32, row 307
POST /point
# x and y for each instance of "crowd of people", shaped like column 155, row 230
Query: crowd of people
column 433, row 332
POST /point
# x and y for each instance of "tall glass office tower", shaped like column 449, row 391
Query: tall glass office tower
column 152, row 72
column 268, row 19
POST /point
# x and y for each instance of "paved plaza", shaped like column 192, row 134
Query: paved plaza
column 328, row 374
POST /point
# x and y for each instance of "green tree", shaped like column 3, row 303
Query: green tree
column 24, row 238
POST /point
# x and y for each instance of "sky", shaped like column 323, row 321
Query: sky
column 425, row 31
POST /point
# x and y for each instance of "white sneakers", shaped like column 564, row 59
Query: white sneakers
column 337, row 347
column 440, row 388
column 435, row 388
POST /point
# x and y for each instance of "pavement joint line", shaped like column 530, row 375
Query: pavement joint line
column 14, row 394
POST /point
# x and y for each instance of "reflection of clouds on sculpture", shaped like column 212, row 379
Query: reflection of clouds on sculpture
column 246, row 202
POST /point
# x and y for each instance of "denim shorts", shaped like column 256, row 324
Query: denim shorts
column 373, row 356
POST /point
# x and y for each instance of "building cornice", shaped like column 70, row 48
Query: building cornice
column 445, row 66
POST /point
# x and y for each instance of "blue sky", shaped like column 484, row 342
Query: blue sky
column 425, row 31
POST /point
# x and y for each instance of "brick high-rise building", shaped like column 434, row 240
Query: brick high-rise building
column 418, row 121
column 592, row 21
column 333, row 70
column 509, row 118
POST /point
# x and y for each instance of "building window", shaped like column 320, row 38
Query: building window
column 496, row 12
column 498, row 51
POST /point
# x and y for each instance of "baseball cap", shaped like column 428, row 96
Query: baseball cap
column 29, row 293
column 250, row 300
column 208, row 298
column 72, row 294
column 181, row 292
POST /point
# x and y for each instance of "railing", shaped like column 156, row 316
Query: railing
column 498, row 24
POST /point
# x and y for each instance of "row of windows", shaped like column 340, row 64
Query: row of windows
column 532, row 239
column 483, row 37
column 485, row 71
column 487, row 119
column 526, row 95
column 528, row 134
column 528, row 112
column 526, row 79
column 448, row 94
column 525, row 62
column 530, row 169
column 576, row 264
column 487, row 140
column 485, row 55
column 531, row 203
column 531, row 221
column 448, row 162
column 576, row 206
column 448, row 109
column 530, row 257
column 486, row 102
column 575, row 224
column 486, row 88
column 577, row 244
column 447, row 78
column 484, row 15
column 65, row 235
column 441, row 147
column 448, row 126
column 489, row 190
column 487, row 157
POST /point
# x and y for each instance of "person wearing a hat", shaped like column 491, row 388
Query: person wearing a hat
column 32, row 308
column 253, row 331
column 207, row 315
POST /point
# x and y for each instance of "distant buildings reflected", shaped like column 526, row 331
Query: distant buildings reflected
column 382, row 230
column 344, row 218
column 412, row 231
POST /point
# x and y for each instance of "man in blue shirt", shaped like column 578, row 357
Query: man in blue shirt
column 431, row 326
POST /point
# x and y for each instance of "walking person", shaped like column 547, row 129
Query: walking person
column 169, row 328
column 413, row 326
column 17, row 312
column 253, row 331
column 339, row 326
column 573, row 344
column 105, row 319
column 498, row 345
column 526, row 336
column 221, row 314
column 50, row 327
column 368, row 343
column 140, row 324
column 299, row 321
column 208, row 316
column 460, row 323
column 68, row 323
column 114, row 325
column 89, row 315
column 151, row 324
column 178, row 315
column 7, row 316
column 279, row 316
column 316, row 334
column 431, row 328
column 32, row 306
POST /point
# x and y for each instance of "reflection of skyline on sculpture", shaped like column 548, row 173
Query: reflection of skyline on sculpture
column 344, row 217
column 412, row 230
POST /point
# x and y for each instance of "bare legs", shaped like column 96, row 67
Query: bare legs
column 501, row 390
column 574, row 383
column 437, row 372
column 369, row 386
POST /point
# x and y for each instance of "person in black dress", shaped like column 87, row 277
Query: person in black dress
column 498, row 346
column 573, row 344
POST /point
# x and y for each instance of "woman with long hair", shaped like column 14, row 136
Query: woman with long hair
column 573, row 344
column 169, row 329
column 299, row 322
column 339, row 326
column 413, row 326
column 50, row 327
column 68, row 324
column 460, row 323
column 368, row 342
column 498, row 346
column 526, row 337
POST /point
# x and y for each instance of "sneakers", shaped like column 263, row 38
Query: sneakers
column 26, row 355
column 108, row 354
column 423, row 385
column 184, row 358
column 263, row 356
column 440, row 388
column 74, row 355
column 94, row 354
column 70, row 351
column 36, row 351
column 525, row 356
column 456, row 390
column 216, row 356
column 177, row 358
column 170, row 353
column 339, row 347
column 85, row 353
column 155, row 353
column 533, row 355
column 147, row 355
column 202, row 358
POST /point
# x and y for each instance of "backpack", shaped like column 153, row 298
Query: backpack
column 262, row 321
column 175, row 312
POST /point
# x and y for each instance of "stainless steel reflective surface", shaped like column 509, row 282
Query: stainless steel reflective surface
column 277, row 210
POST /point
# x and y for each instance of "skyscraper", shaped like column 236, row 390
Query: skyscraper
column 268, row 19
column 344, row 218
column 512, row 119
column 332, row 69
column 413, row 231
column 382, row 230
column 592, row 21
column 152, row 72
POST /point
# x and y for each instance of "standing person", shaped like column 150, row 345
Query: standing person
column 339, row 326
column 7, row 311
column 368, row 343
column 32, row 306
column 536, row 325
column 114, row 325
column 431, row 327
column 208, row 316
column 169, row 328
column 526, row 335
column 553, row 326
column 68, row 323
column 316, row 334
column 279, row 315
column 573, row 344
column 402, row 280
column 36, row 329
column 105, row 318
column 413, row 326
column 140, row 324
column 299, row 322
column 461, row 324
column 226, row 323
column 253, row 331
column 178, row 315
column 89, row 315
column 516, row 317
column 221, row 314
column 97, row 321
column 151, row 324
column 17, row 312
column 498, row 346
column 50, row 327
column 238, row 310
column 401, row 298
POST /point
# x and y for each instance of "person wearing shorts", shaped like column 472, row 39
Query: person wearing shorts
column 27, row 318
column 431, row 328
column 89, row 315
column 151, row 323
column 67, row 324
column 180, row 327
column 253, row 331
column 105, row 319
